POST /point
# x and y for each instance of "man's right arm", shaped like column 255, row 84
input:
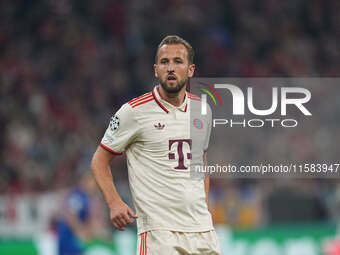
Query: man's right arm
column 120, row 213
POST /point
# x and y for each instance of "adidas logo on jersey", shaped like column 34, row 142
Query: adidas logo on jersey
column 159, row 126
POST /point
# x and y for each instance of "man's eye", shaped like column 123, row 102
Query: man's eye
column 178, row 61
column 164, row 61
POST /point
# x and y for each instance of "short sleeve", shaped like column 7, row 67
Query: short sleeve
column 121, row 131
column 208, row 130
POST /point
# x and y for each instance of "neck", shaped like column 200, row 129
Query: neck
column 174, row 99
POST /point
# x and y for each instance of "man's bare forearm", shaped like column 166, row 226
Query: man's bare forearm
column 100, row 166
column 120, row 213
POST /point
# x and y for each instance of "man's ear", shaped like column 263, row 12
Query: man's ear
column 191, row 70
column 155, row 70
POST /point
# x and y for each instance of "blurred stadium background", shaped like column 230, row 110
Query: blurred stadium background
column 67, row 65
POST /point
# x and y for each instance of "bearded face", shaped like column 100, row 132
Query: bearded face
column 172, row 68
column 172, row 85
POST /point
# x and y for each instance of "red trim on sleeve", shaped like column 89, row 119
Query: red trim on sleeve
column 110, row 150
column 142, row 96
column 143, row 102
column 194, row 98
column 140, row 99
column 206, row 149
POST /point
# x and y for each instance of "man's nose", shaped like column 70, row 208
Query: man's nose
column 171, row 67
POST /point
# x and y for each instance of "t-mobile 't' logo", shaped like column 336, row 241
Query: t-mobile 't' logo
column 180, row 152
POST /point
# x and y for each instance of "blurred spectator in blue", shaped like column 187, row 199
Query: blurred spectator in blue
column 75, row 226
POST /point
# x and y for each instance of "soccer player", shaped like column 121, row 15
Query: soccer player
column 154, row 131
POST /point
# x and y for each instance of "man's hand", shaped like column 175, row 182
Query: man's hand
column 121, row 215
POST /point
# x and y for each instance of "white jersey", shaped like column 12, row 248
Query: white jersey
column 155, row 136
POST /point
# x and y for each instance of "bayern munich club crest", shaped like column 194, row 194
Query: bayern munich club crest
column 198, row 124
column 114, row 123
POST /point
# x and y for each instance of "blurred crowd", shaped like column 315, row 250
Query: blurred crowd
column 67, row 65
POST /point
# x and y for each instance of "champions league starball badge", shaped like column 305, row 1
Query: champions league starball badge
column 114, row 123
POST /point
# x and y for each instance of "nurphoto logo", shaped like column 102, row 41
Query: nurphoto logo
column 288, row 96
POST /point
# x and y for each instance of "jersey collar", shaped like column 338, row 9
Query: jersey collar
column 167, row 106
